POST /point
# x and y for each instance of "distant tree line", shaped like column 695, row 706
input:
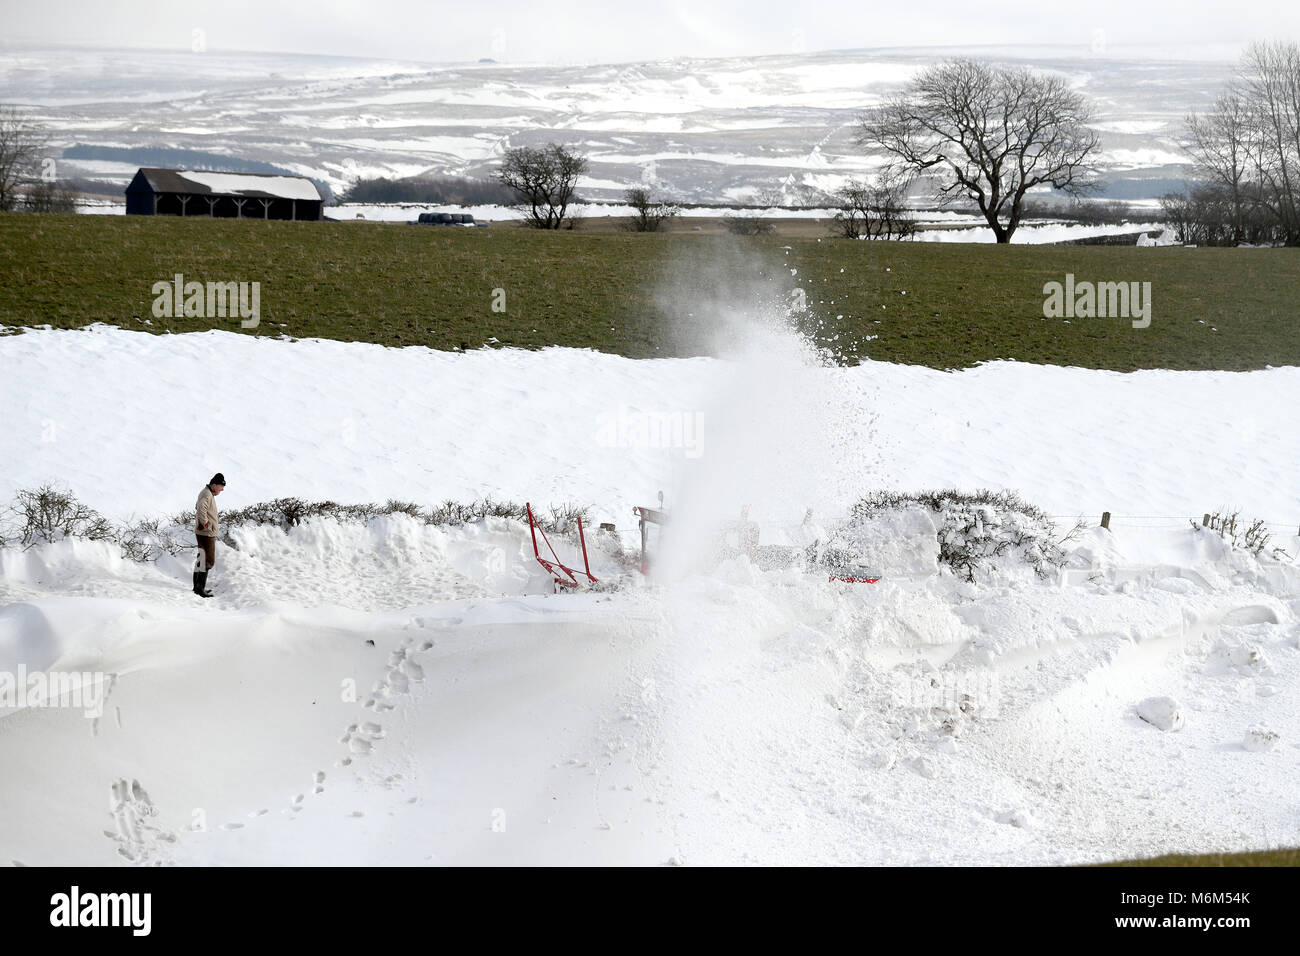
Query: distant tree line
column 1206, row 214
column 1111, row 212
column 1247, row 151
column 874, row 210
column 49, row 196
column 431, row 189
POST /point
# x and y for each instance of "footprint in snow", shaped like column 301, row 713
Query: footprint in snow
column 137, row 836
column 360, row 738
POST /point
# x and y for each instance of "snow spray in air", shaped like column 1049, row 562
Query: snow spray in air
column 786, row 430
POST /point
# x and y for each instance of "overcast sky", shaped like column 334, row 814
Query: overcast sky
column 581, row 31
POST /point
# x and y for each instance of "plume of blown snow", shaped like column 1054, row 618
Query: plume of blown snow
column 777, row 438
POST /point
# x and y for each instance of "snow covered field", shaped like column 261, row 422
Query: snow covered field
column 402, row 693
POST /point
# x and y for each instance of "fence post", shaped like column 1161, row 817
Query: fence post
column 1205, row 521
column 1105, row 520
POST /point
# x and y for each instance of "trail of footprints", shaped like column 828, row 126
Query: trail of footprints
column 139, row 837
column 360, row 737
column 402, row 671
column 142, row 841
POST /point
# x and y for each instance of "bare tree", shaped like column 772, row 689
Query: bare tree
column 1248, row 146
column 990, row 134
column 854, row 199
column 651, row 213
column 544, row 179
column 873, row 210
column 21, row 143
column 1222, row 143
column 1272, row 87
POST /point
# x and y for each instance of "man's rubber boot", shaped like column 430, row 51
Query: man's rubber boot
column 201, row 584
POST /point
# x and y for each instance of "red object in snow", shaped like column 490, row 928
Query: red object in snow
column 565, row 576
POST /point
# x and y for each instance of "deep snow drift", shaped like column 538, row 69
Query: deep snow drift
column 394, row 692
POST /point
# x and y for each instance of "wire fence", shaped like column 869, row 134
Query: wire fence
column 1111, row 518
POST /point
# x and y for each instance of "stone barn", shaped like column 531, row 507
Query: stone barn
column 183, row 192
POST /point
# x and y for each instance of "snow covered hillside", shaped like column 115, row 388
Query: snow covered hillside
column 713, row 130
column 397, row 692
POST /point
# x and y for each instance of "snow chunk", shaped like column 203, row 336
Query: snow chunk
column 1247, row 655
column 1017, row 818
column 1260, row 739
column 1164, row 713
column 926, row 767
column 881, row 759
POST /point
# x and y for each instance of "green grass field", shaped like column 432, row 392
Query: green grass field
column 941, row 305
column 1287, row 857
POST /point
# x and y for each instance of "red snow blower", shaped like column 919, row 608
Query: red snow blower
column 565, row 576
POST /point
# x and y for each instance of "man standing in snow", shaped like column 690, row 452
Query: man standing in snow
column 205, row 531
